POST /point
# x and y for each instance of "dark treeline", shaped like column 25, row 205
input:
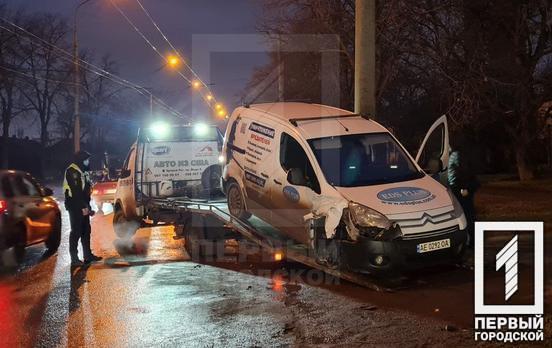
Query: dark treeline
column 37, row 89
column 486, row 64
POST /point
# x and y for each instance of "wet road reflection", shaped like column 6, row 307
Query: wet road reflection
column 146, row 292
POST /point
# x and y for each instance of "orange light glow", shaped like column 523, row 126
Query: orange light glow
column 218, row 106
column 173, row 61
column 209, row 97
column 278, row 256
column 196, row 84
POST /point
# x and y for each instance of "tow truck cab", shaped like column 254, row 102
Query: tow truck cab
column 284, row 161
column 167, row 161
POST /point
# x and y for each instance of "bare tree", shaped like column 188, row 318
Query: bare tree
column 49, row 74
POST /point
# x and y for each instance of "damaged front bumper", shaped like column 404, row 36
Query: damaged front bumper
column 386, row 251
column 369, row 255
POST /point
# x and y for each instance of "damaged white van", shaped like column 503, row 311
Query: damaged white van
column 296, row 165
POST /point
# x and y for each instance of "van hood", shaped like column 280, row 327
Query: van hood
column 400, row 197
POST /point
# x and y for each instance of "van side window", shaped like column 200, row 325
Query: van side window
column 293, row 156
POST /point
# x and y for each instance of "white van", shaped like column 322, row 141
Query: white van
column 167, row 161
column 285, row 160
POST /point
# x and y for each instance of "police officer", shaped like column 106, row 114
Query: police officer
column 77, row 188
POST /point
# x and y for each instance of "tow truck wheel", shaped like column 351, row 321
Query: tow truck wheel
column 123, row 228
column 236, row 202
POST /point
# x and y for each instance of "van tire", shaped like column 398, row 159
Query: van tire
column 210, row 179
column 123, row 228
column 236, row 201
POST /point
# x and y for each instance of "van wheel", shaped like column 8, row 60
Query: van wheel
column 123, row 228
column 210, row 179
column 52, row 243
column 236, row 202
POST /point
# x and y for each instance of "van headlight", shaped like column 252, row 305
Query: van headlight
column 372, row 223
column 366, row 217
column 458, row 211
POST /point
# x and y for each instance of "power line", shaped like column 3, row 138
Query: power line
column 85, row 65
column 145, row 38
column 148, row 15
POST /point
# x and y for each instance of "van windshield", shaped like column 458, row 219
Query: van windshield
column 362, row 160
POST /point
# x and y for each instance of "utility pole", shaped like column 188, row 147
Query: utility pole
column 280, row 71
column 76, row 130
column 365, row 58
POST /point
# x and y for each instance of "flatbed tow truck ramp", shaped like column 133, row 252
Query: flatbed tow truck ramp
column 212, row 216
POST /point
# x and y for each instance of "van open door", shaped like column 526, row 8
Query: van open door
column 433, row 155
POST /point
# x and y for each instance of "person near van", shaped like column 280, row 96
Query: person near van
column 463, row 183
column 77, row 189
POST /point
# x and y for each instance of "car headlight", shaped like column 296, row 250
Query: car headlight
column 458, row 211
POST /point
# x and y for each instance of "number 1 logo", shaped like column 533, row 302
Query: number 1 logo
column 508, row 258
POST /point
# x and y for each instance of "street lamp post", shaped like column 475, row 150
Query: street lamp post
column 76, row 131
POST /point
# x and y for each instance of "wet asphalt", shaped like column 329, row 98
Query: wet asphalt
column 148, row 293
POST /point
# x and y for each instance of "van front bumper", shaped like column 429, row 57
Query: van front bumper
column 368, row 255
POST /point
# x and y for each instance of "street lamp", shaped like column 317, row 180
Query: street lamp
column 76, row 131
column 173, row 61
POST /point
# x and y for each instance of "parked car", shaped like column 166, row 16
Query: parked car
column 283, row 158
column 104, row 192
column 28, row 213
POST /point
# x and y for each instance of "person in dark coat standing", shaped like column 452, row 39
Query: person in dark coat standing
column 77, row 188
column 463, row 183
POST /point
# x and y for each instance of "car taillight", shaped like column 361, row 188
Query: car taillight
column 3, row 206
column 95, row 191
column 110, row 191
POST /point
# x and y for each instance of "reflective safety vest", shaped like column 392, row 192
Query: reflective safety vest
column 84, row 179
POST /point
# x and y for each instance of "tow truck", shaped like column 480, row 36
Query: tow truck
column 172, row 175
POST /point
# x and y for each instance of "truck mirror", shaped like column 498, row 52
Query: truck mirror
column 125, row 173
column 296, row 177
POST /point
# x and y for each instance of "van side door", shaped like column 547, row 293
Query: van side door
column 294, row 185
column 433, row 155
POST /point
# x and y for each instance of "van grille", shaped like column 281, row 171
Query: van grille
column 431, row 234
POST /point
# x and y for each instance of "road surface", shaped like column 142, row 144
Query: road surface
column 148, row 293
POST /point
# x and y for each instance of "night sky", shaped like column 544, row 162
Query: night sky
column 103, row 30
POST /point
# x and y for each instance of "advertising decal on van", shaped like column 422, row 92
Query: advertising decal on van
column 291, row 194
column 160, row 150
column 255, row 179
column 405, row 195
column 255, row 127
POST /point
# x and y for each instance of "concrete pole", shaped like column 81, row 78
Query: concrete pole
column 76, row 130
column 365, row 58
column 280, row 71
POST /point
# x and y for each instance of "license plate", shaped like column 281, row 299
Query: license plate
column 432, row 246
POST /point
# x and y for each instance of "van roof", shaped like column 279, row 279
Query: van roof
column 294, row 110
column 316, row 121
